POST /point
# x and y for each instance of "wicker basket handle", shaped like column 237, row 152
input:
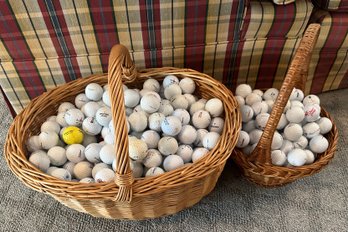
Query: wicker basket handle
column 295, row 77
column 121, row 66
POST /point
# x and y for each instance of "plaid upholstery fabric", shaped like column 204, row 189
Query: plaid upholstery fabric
column 332, row 5
column 270, row 36
column 283, row 2
column 47, row 43
column 329, row 66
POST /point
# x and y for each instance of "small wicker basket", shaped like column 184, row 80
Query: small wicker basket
column 125, row 198
column 257, row 167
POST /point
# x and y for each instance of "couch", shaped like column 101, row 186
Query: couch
column 48, row 43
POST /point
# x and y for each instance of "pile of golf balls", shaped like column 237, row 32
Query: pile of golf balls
column 168, row 127
column 299, row 135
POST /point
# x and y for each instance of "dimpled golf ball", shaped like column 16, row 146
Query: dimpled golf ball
column 277, row 141
column 243, row 90
column 94, row 91
column 185, row 152
column 255, row 136
column 278, row 157
column 152, row 85
column 293, row 132
column 252, row 99
column 83, row 169
column 297, row 95
column 155, row 121
column 72, row 135
column 70, row 167
column 137, row 121
column 243, row 139
column 154, row 171
column 217, row 125
column 247, row 113
column 74, row 117
column 311, row 129
column 187, row 85
column 200, row 134
column 311, row 99
column 196, row 107
column 91, row 126
column 106, row 98
column 107, row 153
column 297, row 157
column 88, row 139
column 62, row 174
column 61, row 120
column 33, row 143
column 171, row 125
column 183, row 115
column 65, row 106
column 258, row 92
column 165, row 108
column 271, row 94
column 188, row 134
column 137, row 169
column 286, row 146
column 150, row 103
column 90, row 109
column 40, row 160
column 325, row 125
column 318, row 144
column 50, row 126
column 312, row 112
column 190, row 99
column 172, row 162
column 295, row 114
column 199, row 153
column 103, row 116
column 48, row 139
column 282, row 122
column 215, row 107
column 210, row 140
column 99, row 166
column 172, row 91
column 240, row 100
column 259, row 107
column 261, row 120
column 168, row 145
column 309, row 157
column 131, row 97
column 75, row 153
column 296, row 103
column 179, row 102
column 104, row 175
column 153, row 158
column 92, row 152
column 302, row 143
column 137, row 148
column 249, row 126
column 87, row 180
column 169, row 80
column 201, row 119
column 80, row 100
column 57, row 156
column 151, row 138
column 50, row 170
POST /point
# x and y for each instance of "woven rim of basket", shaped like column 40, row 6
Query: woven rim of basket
column 271, row 175
column 28, row 123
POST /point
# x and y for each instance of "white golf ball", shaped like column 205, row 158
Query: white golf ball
column 171, row 125
column 104, row 175
column 70, row 167
column 48, row 139
column 129, row 111
column 137, row 169
column 312, row 112
column 217, row 125
column 40, row 160
column 87, row 180
column 199, row 153
column 169, row 80
column 50, row 126
column 83, row 169
column 57, row 156
column 287, row 106
column 188, row 134
column 168, row 145
column 62, row 174
column 106, row 98
column 101, row 103
column 153, row 158
column 318, row 144
column 33, row 143
column 287, row 146
column 282, row 122
column 277, row 141
column 90, row 109
column 114, row 164
column 240, row 100
column 74, row 117
column 243, row 90
column 65, row 106
column 270, row 104
column 52, row 118
column 183, row 115
column 247, row 113
column 152, row 85
column 210, row 140
column 215, row 107
column 296, row 103
column 137, row 121
column 295, row 114
column 179, row 102
column 252, row 99
column 302, row 143
column 131, row 98
column 88, row 139
column 150, row 103
column 196, row 107
column 310, row 157
column 185, row 152
column 311, row 129
column 200, row 135
column 50, row 170
column 278, row 157
column 172, row 162
column 92, row 152
column 136, row 134
column 99, row 166
column 109, row 138
column 325, row 125
column 261, row 120
column 94, row 91
column 258, row 92
column 155, row 121
column 311, row 99
column 91, row 126
column 80, row 100
column 249, row 126
column 271, row 94
column 75, row 153
column 154, row 171
column 107, row 153
column 293, row 132
column 297, row 157
column 297, row 95
column 190, row 99
column 172, row 91
column 260, row 107
column 201, row 119
column 61, row 119
column 137, row 148
column 151, row 138
column 255, row 136
column 103, row 116
column 243, row 139
column 187, row 85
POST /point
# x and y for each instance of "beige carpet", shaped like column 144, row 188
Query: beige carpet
column 316, row 203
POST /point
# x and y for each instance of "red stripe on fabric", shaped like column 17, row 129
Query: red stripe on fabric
column 283, row 20
column 54, row 39
column 328, row 53
column 145, row 33
column 67, row 38
column 9, row 106
column 246, row 23
column 157, row 25
column 196, row 15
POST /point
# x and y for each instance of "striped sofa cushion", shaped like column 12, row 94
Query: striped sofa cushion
column 332, row 5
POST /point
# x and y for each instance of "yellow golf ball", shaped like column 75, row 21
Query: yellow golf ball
column 72, row 135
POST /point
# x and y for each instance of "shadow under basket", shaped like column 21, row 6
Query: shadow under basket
column 257, row 167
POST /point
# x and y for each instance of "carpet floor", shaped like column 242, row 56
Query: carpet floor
column 315, row 203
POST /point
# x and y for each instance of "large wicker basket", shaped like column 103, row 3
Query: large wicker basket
column 257, row 167
column 125, row 198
